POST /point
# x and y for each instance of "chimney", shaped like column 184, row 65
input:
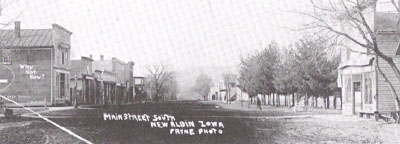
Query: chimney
column 91, row 56
column 17, row 29
column 101, row 57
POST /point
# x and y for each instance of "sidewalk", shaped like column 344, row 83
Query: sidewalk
column 20, row 111
column 42, row 110
column 282, row 108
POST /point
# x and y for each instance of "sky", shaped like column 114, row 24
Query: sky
column 184, row 34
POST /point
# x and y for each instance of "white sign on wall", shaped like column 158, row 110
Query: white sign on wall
column 3, row 80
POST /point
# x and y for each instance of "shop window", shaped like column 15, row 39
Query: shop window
column 368, row 91
column 62, row 57
column 348, row 89
column 61, row 85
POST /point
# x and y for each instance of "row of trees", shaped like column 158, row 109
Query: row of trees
column 305, row 69
column 203, row 85
column 162, row 83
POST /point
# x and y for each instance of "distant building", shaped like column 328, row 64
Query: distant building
column 86, row 81
column 140, row 88
column 36, row 69
column 122, row 91
column 221, row 92
column 109, row 80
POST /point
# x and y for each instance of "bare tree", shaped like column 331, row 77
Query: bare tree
column 159, row 77
column 329, row 16
column 203, row 85
column 9, row 19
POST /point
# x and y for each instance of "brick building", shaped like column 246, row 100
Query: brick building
column 35, row 66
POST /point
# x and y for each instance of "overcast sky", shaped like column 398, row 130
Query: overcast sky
column 182, row 33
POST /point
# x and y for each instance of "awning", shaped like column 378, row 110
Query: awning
column 360, row 65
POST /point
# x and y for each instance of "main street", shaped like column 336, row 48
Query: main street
column 272, row 125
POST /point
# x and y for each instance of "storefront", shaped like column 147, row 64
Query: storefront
column 358, row 89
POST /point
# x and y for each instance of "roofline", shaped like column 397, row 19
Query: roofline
column 19, row 47
column 119, row 61
column 88, row 58
column 64, row 29
column 347, row 66
column 106, row 71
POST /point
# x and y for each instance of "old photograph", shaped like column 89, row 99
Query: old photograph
column 199, row 71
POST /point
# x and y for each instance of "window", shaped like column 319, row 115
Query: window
column 62, row 57
column 6, row 57
column 368, row 90
column 348, row 93
column 62, row 85
column 30, row 56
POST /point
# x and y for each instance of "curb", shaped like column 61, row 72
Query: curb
column 59, row 116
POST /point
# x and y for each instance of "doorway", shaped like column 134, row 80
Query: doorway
column 62, row 85
column 357, row 97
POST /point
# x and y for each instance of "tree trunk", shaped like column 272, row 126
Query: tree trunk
column 273, row 99
column 316, row 102
column 293, row 99
column 285, row 100
column 264, row 100
column 241, row 98
column 341, row 101
column 305, row 99
column 250, row 101
column 327, row 102
column 312, row 101
column 278, row 100
column 269, row 98
column 324, row 96
column 334, row 102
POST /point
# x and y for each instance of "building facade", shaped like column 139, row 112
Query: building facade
column 121, row 88
column 85, row 81
column 35, row 66
column 220, row 92
column 364, row 89
column 140, row 92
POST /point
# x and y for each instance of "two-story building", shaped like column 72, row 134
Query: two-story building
column 122, row 91
column 84, row 79
column 227, row 90
column 35, row 66
column 364, row 88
